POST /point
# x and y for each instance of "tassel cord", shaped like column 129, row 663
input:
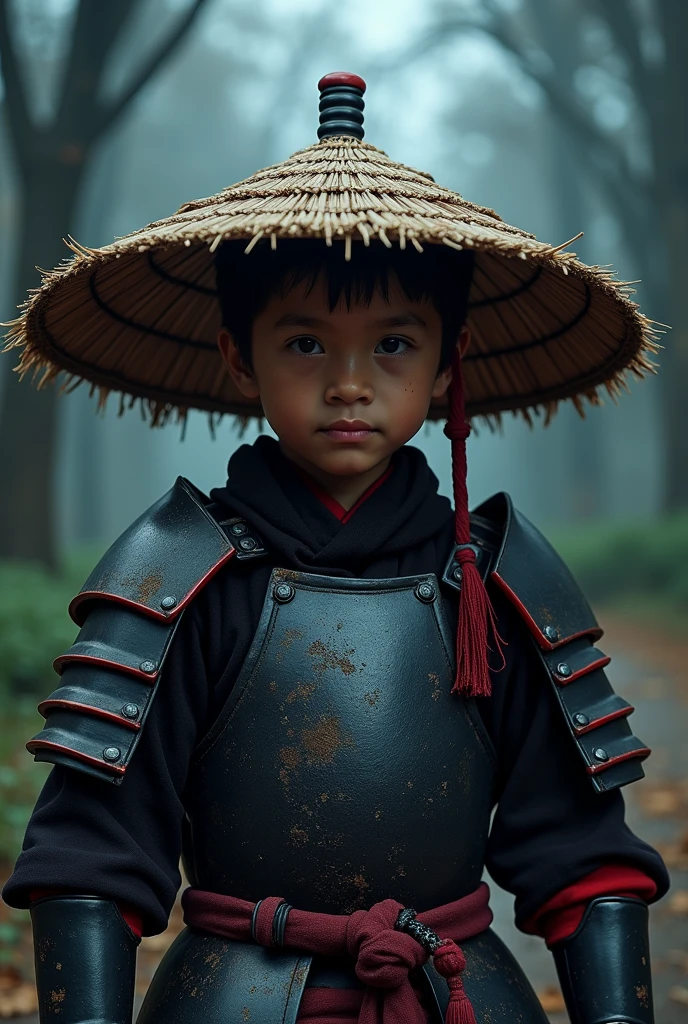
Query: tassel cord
column 476, row 614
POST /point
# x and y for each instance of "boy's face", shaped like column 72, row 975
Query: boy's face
column 342, row 389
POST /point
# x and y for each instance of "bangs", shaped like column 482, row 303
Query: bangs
column 247, row 282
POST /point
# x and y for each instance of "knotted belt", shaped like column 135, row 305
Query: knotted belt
column 380, row 940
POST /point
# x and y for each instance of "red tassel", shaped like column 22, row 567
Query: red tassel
column 475, row 611
column 449, row 962
column 476, row 615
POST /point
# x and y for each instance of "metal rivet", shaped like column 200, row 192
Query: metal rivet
column 248, row 543
column 238, row 529
column 112, row 754
column 564, row 669
column 283, row 592
column 600, row 754
column 580, row 719
column 130, row 711
column 551, row 633
column 425, row 592
column 148, row 666
column 457, row 574
column 168, row 602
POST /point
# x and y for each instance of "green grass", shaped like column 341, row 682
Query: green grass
column 21, row 779
column 640, row 567
column 34, row 622
column 34, row 628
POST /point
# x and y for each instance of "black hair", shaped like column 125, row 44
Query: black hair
column 246, row 282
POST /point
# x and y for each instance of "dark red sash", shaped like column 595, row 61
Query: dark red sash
column 383, row 956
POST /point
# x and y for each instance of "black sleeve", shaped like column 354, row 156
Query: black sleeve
column 550, row 827
column 124, row 842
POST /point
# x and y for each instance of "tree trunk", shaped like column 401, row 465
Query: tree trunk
column 552, row 26
column 671, row 153
column 585, row 470
column 28, row 421
column 675, row 362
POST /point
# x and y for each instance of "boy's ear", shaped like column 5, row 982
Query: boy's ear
column 238, row 371
column 443, row 379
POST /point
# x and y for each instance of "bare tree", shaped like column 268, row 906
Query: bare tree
column 615, row 75
column 52, row 160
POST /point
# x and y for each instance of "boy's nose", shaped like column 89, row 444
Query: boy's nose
column 349, row 386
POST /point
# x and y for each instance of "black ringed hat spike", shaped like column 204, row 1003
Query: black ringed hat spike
column 341, row 105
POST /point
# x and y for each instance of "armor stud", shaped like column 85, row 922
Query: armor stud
column 112, row 754
column 283, row 592
column 425, row 592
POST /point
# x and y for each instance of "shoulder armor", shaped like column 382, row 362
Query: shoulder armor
column 536, row 580
column 129, row 610
column 527, row 569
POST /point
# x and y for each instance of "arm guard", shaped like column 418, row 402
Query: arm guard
column 85, row 961
column 517, row 558
column 604, row 967
column 129, row 610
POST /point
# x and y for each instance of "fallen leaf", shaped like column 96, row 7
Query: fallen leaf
column 9, row 977
column 661, row 801
column 678, row 904
column 667, row 797
column 156, row 943
column 551, row 999
column 17, row 997
column 675, row 854
column 678, row 958
column 679, row 994
column 652, row 687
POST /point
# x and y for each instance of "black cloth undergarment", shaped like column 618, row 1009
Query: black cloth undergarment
column 550, row 828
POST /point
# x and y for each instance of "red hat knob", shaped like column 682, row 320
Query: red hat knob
column 341, row 104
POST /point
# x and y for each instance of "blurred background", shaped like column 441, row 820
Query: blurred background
column 563, row 115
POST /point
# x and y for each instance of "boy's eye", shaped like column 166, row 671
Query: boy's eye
column 306, row 346
column 392, row 346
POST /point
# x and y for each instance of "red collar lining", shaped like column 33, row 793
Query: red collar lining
column 332, row 505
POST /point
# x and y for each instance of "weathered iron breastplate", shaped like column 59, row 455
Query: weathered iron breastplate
column 342, row 771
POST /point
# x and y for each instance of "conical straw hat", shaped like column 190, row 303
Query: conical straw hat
column 141, row 316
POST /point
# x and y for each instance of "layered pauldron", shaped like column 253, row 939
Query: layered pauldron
column 129, row 610
column 131, row 606
column 531, row 575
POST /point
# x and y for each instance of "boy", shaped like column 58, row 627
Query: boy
column 326, row 721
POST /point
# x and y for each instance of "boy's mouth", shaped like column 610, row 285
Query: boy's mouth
column 349, row 430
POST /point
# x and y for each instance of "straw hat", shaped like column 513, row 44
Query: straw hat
column 140, row 316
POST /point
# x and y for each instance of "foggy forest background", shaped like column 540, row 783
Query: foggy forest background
column 562, row 115
column 559, row 114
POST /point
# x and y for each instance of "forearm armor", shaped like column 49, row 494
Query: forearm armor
column 85, row 961
column 604, row 967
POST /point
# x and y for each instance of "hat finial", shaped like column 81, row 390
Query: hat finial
column 341, row 104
